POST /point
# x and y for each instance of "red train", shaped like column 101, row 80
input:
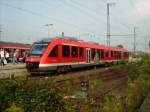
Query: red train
column 62, row 54
column 12, row 47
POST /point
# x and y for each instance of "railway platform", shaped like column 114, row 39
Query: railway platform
column 13, row 66
column 13, row 69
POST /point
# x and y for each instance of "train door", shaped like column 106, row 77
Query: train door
column 88, row 55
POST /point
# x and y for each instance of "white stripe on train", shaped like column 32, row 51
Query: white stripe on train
column 75, row 63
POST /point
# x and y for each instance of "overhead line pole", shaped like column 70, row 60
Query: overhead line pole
column 134, row 48
column 108, row 23
column 149, row 46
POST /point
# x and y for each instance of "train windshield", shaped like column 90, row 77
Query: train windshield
column 38, row 49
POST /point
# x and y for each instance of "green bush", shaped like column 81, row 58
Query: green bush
column 30, row 96
column 112, row 104
column 137, row 88
column 14, row 108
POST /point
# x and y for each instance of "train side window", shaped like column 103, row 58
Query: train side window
column 98, row 52
column 93, row 53
column 74, row 51
column 115, row 54
column 112, row 54
column 81, row 52
column 65, row 51
column 107, row 53
column 126, row 54
column 119, row 55
column 54, row 52
column 102, row 54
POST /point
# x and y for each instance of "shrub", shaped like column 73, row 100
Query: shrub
column 14, row 108
column 137, row 87
column 30, row 96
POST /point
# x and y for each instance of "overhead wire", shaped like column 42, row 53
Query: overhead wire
column 41, row 15
column 81, row 9
column 75, row 4
column 48, row 4
column 145, row 25
column 72, row 5
column 93, row 11
column 38, row 14
column 138, row 13
column 116, row 20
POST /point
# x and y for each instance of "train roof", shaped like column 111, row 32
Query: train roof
column 91, row 44
column 10, row 45
column 45, row 40
column 75, row 42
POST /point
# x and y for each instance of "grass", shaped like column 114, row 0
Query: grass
column 137, row 88
column 41, row 94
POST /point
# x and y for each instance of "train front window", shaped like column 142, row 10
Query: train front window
column 38, row 49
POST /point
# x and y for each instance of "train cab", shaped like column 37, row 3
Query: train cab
column 35, row 55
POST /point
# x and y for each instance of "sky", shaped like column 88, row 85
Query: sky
column 25, row 21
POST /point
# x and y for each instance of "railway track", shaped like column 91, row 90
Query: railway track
column 75, row 78
column 104, row 76
column 106, row 91
column 112, row 80
column 20, row 68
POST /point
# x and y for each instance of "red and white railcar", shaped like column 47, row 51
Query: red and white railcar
column 12, row 47
column 62, row 54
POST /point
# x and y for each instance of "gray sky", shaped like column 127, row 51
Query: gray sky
column 24, row 20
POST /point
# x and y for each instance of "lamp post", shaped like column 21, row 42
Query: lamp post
column 135, row 35
column 149, row 46
column 0, row 34
column 48, row 26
